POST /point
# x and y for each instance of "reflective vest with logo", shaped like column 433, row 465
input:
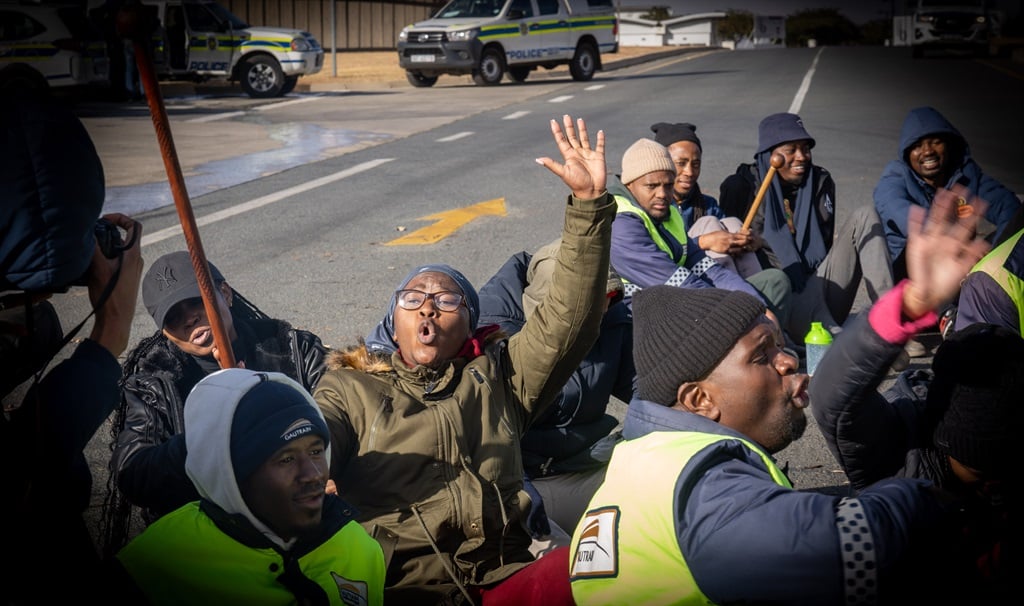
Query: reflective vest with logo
column 625, row 550
column 674, row 224
column 183, row 558
column 1005, row 264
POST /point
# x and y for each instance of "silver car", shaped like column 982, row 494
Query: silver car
column 49, row 46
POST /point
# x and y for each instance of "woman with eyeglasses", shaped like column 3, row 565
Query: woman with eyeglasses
column 426, row 416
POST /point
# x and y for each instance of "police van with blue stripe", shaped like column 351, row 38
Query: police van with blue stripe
column 201, row 40
column 490, row 38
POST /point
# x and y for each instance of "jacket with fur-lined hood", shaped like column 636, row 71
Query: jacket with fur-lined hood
column 431, row 458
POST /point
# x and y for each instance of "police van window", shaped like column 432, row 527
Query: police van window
column 16, row 25
column 548, row 7
column 522, row 5
column 211, row 17
column 599, row 3
column 470, row 8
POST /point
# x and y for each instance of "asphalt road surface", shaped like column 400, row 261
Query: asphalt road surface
column 300, row 199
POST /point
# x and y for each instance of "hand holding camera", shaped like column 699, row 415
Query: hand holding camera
column 119, row 258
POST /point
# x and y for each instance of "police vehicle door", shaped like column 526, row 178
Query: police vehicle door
column 211, row 40
column 518, row 45
column 552, row 31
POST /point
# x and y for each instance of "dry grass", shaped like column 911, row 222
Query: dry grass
column 382, row 66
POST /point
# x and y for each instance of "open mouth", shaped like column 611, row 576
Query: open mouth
column 201, row 336
column 427, row 332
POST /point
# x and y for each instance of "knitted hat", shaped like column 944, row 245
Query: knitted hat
column 645, row 156
column 979, row 376
column 667, row 134
column 267, row 417
column 169, row 281
column 777, row 129
column 681, row 334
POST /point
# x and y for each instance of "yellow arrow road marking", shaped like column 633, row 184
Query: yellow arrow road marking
column 447, row 222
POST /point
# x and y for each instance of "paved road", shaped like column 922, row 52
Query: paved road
column 309, row 240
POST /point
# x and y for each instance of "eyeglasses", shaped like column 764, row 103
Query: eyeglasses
column 414, row 299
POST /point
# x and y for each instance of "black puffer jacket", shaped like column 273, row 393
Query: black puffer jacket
column 147, row 466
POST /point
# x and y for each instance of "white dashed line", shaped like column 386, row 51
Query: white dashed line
column 515, row 115
column 595, row 87
column 561, row 99
column 215, row 117
column 263, row 108
column 455, row 137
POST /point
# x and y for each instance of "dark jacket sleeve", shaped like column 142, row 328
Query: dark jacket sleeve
column 982, row 300
column 892, row 201
column 867, row 432
column 737, row 192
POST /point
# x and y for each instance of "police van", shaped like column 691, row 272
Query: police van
column 201, row 40
column 490, row 38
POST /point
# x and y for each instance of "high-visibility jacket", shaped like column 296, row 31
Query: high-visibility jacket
column 674, row 225
column 625, row 550
column 996, row 264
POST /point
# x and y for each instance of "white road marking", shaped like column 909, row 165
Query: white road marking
column 798, row 100
column 284, row 194
column 263, row 108
column 455, row 137
column 561, row 99
column 515, row 115
column 215, row 117
column 595, row 87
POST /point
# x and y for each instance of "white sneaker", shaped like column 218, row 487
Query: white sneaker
column 915, row 349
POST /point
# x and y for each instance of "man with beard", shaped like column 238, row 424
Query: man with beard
column 694, row 509
column 797, row 221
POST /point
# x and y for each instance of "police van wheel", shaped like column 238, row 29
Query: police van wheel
column 419, row 80
column 262, row 77
column 491, row 69
column 584, row 62
column 518, row 74
column 289, row 84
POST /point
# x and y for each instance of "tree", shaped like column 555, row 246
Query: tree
column 735, row 25
column 825, row 26
column 657, row 13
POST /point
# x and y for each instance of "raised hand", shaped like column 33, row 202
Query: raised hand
column 941, row 250
column 583, row 169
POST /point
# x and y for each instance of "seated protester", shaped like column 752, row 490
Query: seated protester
column 993, row 292
column 694, row 509
column 566, row 449
column 56, row 396
column 797, row 222
column 955, row 424
column 426, row 440
column 264, row 530
column 649, row 241
column 147, row 463
column 722, row 238
column 934, row 155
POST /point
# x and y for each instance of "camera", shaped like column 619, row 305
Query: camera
column 108, row 237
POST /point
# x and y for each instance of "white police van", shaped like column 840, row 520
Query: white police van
column 489, row 38
column 201, row 40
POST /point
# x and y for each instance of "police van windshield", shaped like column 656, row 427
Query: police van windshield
column 470, row 8
column 211, row 17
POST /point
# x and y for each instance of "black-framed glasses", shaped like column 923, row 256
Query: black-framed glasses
column 444, row 300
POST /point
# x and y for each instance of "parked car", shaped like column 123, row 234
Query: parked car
column 201, row 40
column 45, row 46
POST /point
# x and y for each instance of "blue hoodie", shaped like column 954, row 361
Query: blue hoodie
column 900, row 186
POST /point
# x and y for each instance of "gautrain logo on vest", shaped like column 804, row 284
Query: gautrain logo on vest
column 597, row 554
column 352, row 593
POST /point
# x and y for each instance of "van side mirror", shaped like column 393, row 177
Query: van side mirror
column 514, row 13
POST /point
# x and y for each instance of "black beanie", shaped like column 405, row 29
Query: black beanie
column 977, row 386
column 681, row 334
column 267, row 417
column 667, row 134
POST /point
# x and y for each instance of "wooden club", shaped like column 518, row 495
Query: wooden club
column 775, row 163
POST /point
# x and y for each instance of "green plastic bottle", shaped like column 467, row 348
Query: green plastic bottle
column 816, row 342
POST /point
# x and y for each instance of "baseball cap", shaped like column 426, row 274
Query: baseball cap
column 169, row 281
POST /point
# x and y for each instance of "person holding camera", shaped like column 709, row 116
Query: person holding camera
column 53, row 193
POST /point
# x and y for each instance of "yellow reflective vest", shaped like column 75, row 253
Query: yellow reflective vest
column 994, row 264
column 674, row 224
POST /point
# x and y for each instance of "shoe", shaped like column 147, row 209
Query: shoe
column 915, row 349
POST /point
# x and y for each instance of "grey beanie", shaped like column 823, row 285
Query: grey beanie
column 645, row 156
column 667, row 134
column 681, row 334
column 777, row 129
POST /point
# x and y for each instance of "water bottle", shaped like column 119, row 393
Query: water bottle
column 816, row 342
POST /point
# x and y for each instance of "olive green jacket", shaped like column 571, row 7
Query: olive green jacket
column 431, row 459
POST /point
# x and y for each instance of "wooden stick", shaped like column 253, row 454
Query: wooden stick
column 137, row 23
column 775, row 163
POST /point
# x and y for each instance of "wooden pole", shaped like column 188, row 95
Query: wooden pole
column 775, row 163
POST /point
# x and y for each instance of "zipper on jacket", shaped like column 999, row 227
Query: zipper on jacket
column 384, row 408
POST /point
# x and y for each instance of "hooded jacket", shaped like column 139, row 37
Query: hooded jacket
column 217, row 551
column 900, row 186
column 431, row 458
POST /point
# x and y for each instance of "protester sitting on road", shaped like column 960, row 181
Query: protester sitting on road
column 694, row 509
column 955, row 424
column 797, row 222
column 53, row 192
column 426, row 441
column 567, row 447
column 649, row 240
column 934, row 155
column 147, row 463
column 722, row 238
column 264, row 531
